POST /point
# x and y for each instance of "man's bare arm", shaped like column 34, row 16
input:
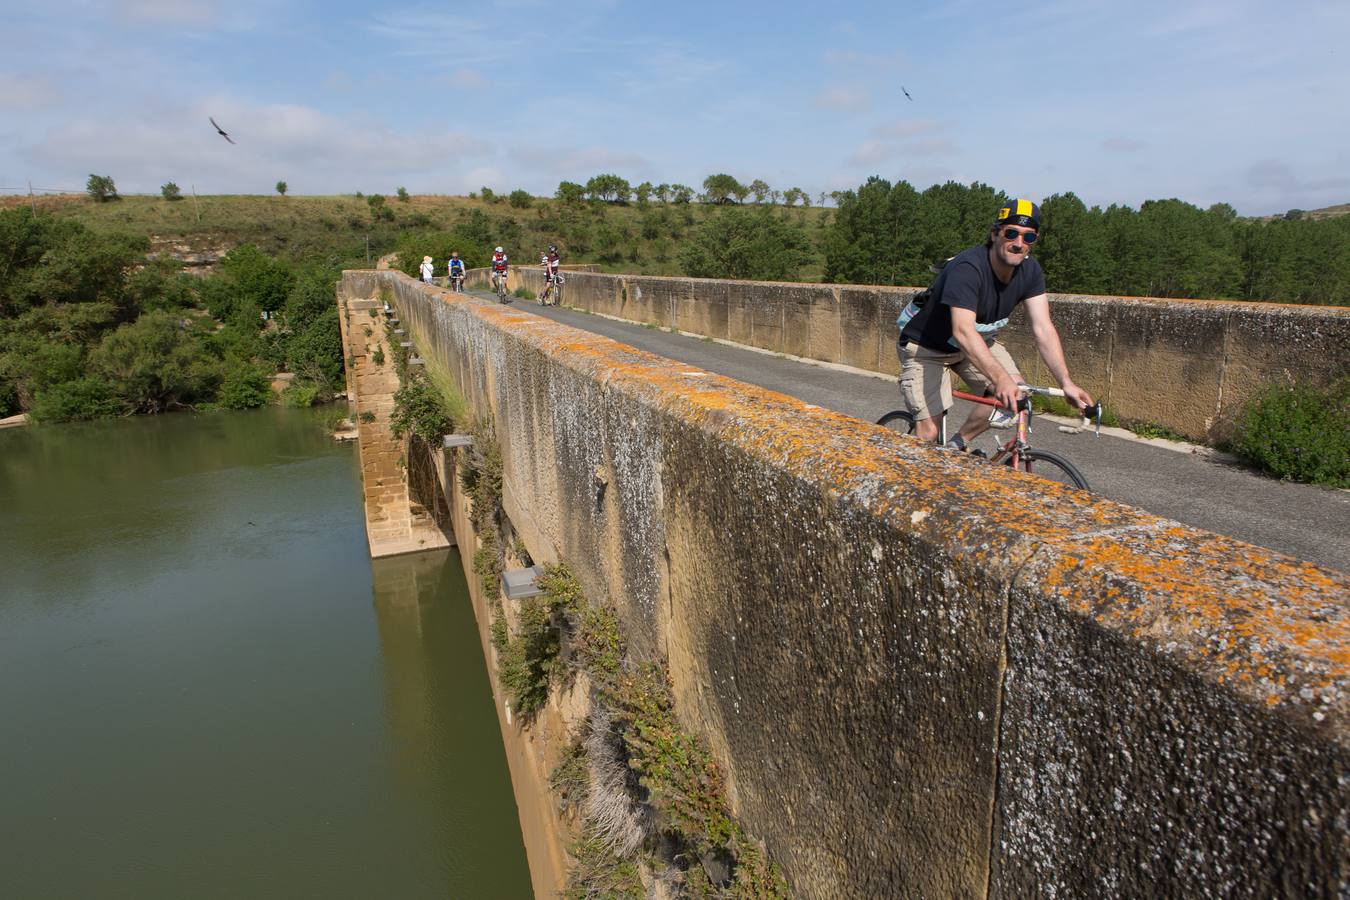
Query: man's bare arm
column 1047, row 342
column 969, row 340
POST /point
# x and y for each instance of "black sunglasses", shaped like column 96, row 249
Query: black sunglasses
column 1012, row 234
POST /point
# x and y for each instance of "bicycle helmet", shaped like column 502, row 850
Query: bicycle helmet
column 1020, row 212
column 552, row 249
column 499, row 250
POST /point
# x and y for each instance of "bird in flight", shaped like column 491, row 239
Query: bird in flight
column 231, row 140
column 902, row 90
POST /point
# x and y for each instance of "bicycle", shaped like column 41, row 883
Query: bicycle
column 551, row 295
column 500, row 279
column 457, row 284
column 1015, row 452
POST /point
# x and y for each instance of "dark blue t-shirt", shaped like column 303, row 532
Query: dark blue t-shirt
column 968, row 282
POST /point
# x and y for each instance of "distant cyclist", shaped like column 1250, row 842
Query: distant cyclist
column 428, row 269
column 956, row 325
column 550, row 262
column 499, row 265
column 455, row 269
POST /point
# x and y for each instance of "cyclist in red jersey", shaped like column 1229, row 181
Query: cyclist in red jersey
column 499, row 265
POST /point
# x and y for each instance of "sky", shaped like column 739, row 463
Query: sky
column 1238, row 102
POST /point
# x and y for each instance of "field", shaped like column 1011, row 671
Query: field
column 351, row 231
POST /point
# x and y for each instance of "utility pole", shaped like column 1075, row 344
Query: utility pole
column 195, row 205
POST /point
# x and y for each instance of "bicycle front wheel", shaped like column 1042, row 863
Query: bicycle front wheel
column 1051, row 466
column 901, row 420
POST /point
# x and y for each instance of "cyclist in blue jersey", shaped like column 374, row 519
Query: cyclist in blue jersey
column 455, row 269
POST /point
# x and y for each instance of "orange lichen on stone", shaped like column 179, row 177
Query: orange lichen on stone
column 1270, row 625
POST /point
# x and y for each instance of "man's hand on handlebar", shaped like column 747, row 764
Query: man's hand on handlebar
column 1077, row 396
column 1007, row 392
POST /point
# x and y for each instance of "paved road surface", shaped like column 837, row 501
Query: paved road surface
column 1308, row 522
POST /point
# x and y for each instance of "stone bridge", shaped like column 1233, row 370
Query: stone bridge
column 924, row 678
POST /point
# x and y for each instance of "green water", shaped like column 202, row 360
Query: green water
column 208, row 690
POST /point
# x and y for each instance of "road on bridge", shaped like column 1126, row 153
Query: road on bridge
column 1200, row 489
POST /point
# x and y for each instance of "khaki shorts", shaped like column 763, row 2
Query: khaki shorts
column 926, row 382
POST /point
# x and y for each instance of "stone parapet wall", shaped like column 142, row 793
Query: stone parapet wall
column 923, row 676
column 1189, row 365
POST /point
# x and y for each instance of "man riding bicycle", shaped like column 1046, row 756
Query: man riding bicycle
column 956, row 325
column 550, row 262
column 455, row 269
column 498, row 268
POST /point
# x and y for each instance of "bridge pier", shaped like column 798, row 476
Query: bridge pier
column 395, row 523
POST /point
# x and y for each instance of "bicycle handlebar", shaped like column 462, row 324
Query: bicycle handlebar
column 1088, row 412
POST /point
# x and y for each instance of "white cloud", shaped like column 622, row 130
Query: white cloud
column 172, row 12
column 578, row 162
column 1121, row 144
column 464, row 79
column 313, row 151
column 903, row 129
column 908, row 139
column 1280, row 176
column 843, row 98
column 26, row 92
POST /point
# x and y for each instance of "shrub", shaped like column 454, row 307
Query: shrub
column 521, row 199
column 90, row 397
column 171, row 191
column 487, row 194
column 418, row 410
column 403, row 194
column 281, row 188
column 101, row 188
column 245, row 386
column 1298, row 433
column 300, row 394
column 367, row 416
column 157, row 363
column 523, row 293
column 756, row 245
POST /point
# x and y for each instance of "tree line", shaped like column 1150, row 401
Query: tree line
column 89, row 327
column 886, row 233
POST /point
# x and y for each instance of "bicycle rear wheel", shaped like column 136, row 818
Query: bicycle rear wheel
column 901, row 420
column 1051, row 466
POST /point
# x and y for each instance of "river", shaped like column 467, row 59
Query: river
column 207, row 689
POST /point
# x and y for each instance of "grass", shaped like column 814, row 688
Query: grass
column 341, row 229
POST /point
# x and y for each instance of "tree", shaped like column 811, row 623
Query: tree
column 681, row 193
column 792, row 195
column 487, row 194
column 760, row 189
column 1072, row 246
column 281, row 188
column 521, row 199
column 100, row 188
column 570, row 192
column 643, row 192
column 156, row 364
column 249, row 282
column 609, row 188
column 746, row 244
column 403, row 194
column 171, row 191
column 720, row 188
column 662, row 192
